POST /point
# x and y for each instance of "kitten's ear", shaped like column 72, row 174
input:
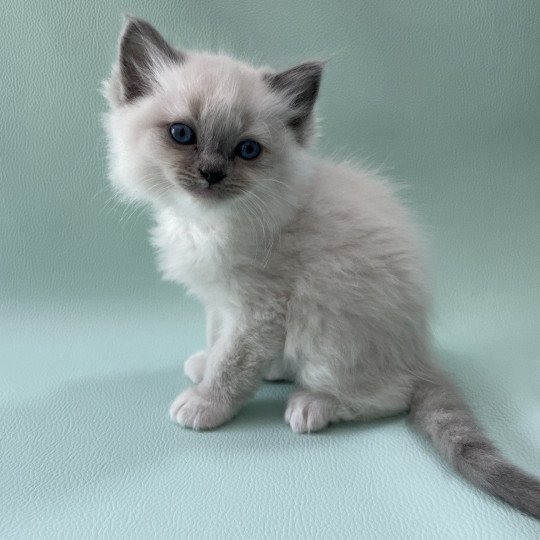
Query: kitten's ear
column 300, row 85
column 142, row 51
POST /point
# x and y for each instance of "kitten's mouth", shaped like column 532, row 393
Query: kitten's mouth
column 217, row 192
column 205, row 193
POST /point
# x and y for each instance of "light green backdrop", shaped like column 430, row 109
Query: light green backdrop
column 444, row 95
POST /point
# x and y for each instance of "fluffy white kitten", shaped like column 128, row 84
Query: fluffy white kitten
column 308, row 270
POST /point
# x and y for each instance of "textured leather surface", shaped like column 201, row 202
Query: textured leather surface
column 91, row 342
column 87, row 450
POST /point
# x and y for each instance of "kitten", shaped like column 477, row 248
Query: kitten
column 308, row 271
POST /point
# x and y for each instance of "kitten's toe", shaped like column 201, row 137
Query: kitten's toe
column 307, row 412
column 195, row 410
column 194, row 366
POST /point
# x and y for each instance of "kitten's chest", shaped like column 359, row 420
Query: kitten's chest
column 201, row 257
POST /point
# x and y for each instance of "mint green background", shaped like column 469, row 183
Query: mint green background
column 446, row 95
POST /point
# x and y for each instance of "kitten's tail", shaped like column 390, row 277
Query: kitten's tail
column 438, row 410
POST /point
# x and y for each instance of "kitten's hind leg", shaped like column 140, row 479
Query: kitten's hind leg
column 310, row 411
column 278, row 371
column 194, row 366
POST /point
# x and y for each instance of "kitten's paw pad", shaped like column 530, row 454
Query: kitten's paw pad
column 307, row 412
column 194, row 366
column 194, row 410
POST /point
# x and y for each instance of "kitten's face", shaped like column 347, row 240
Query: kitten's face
column 187, row 127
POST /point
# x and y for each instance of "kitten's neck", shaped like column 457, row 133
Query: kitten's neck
column 260, row 214
column 245, row 226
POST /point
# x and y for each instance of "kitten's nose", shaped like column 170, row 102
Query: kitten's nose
column 212, row 176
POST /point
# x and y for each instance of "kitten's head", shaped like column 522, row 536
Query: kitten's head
column 203, row 131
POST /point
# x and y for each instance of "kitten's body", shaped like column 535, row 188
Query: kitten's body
column 346, row 289
column 308, row 270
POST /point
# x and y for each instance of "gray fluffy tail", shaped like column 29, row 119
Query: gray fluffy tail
column 438, row 410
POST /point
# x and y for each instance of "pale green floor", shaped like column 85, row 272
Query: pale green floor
column 87, row 449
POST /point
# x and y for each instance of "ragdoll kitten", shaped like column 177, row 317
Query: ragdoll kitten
column 308, row 270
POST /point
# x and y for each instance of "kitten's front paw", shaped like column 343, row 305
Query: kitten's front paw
column 194, row 366
column 193, row 409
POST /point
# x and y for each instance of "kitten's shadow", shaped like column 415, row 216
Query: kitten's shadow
column 93, row 429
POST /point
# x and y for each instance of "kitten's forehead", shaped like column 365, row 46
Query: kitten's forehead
column 215, row 84
column 224, row 97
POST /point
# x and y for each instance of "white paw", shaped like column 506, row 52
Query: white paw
column 193, row 409
column 194, row 366
column 307, row 412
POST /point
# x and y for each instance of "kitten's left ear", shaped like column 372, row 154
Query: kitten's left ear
column 300, row 86
column 142, row 50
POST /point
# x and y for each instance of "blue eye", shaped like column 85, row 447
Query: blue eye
column 183, row 134
column 248, row 149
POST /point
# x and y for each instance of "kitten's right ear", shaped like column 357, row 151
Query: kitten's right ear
column 300, row 86
column 142, row 51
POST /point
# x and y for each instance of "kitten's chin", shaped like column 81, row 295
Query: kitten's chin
column 205, row 194
column 208, row 195
column 196, row 202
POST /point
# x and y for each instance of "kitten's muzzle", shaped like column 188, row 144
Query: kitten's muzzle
column 212, row 176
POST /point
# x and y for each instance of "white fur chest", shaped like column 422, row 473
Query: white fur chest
column 197, row 255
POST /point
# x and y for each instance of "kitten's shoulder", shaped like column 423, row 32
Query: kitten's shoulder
column 353, row 186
